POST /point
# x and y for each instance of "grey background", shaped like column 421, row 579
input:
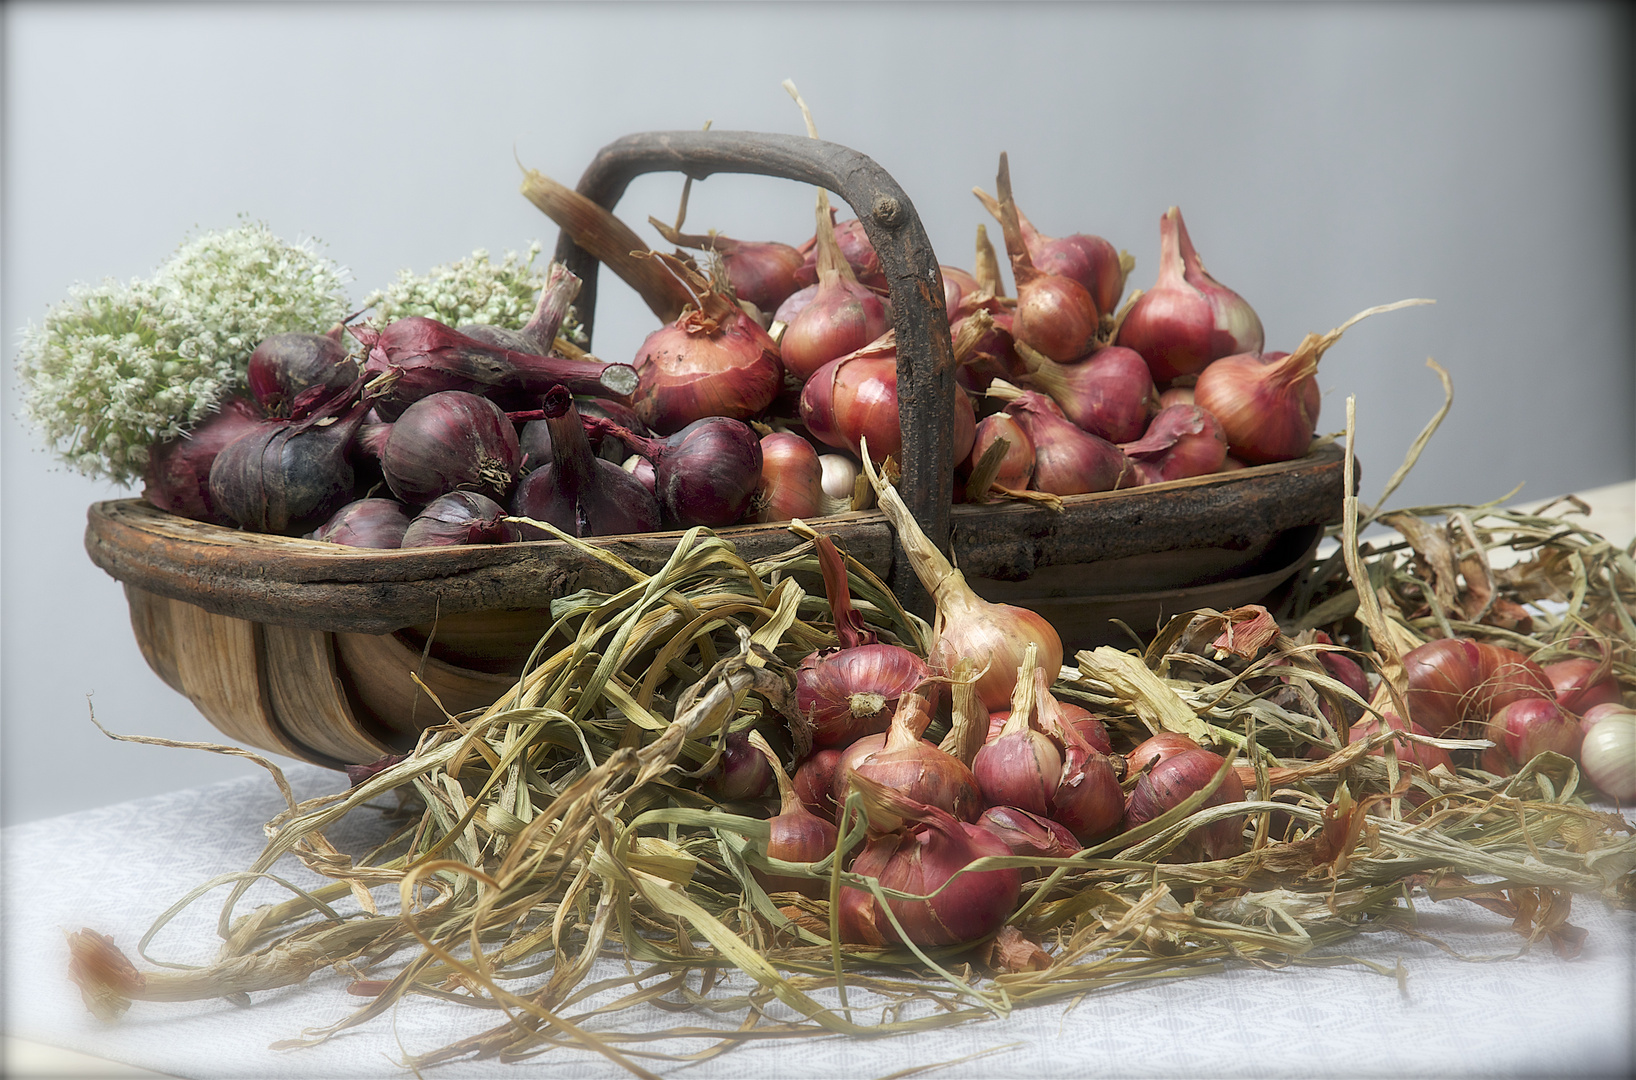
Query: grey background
column 1327, row 158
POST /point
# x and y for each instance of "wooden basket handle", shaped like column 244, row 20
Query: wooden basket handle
column 926, row 370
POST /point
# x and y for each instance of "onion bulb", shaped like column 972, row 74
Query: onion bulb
column 1608, row 754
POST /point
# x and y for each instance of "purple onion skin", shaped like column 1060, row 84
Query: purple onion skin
column 451, row 441
column 286, row 365
column 535, row 437
column 708, row 472
column 366, row 523
column 178, row 473
column 460, row 517
column 287, row 477
column 580, row 493
column 742, row 773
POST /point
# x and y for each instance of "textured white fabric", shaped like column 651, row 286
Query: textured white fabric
column 116, row 868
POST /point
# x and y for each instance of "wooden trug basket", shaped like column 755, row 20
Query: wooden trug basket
column 307, row 649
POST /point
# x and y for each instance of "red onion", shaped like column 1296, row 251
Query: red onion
column 447, row 442
column 909, row 764
column 1169, row 783
column 539, row 335
column 1530, row 726
column 1017, row 467
column 1182, row 441
column 798, row 834
column 1158, row 747
column 1109, row 394
column 854, row 399
column 1427, row 757
column 1582, row 682
column 742, row 772
column 1082, row 720
column 921, row 860
column 177, row 478
column 852, row 690
column 1188, row 318
column 421, row 356
column 1176, row 395
column 1020, row 766
column 853, row 240
column 957, row 285
column 460, row 517
column 841, row 318
column 1067, row 460
column 967, row 627
column 794, row 304
column 285, row 476
column 714, row 360
column 284, row 366
column 704, row 474
column 792, row 480
column 1268, row 405
column 1451, row 680
column 1089, row 260
column 535, row 437
column 580, row 493
column 762, row 272
column 366, row 523
column 814, row 781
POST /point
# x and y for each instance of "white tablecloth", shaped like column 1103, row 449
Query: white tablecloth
column 114, row 869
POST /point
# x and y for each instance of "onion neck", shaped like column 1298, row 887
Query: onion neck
column 1044, row 372
column 1172, row 261
column 1023, row 699
column 833, row 269
column 987, row 269
column 571, row 454
column 561, row 289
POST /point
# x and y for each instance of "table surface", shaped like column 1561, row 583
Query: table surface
column 1534, row 1014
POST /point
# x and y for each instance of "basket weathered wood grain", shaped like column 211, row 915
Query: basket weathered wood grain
column 314, row 650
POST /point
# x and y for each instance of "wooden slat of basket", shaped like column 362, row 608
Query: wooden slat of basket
column 308, row 699
column 219, row 667
column 150, row 622
column 378, row 670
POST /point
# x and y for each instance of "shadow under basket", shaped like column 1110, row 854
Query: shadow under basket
column 339, row 655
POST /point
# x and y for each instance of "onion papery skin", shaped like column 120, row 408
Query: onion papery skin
column 460, row 517
column 580, row 493
column 994, row 636
column 995, row 354
column 921, row 860
column 177, row 477
column 287, row 476
column 1170, row 782
column 841, row 318
column 795, row 303
column 1608, row 753
column 1017, row 467
column 1057, row 317
column 919, row 770
column 849, row 693
column 1024, row 833
column 1089, row 260
column 1266, row 405
column 792, row 480
column 856, row 397
column 1427, row 757
column 1182, row 441
column 1530, row 726
column 451, row 441
column 366, row 523
column 702, row 366
column 1082, row 720
column 1109, row 394
column 284, row 366
column 1187, row 319
column 1067, row 460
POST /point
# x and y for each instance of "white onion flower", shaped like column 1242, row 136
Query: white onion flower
column 117, row 367
column 472, row 290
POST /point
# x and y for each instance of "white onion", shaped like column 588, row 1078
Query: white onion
column 1608, row 755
